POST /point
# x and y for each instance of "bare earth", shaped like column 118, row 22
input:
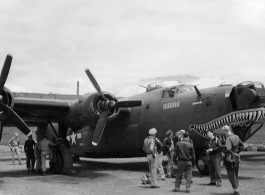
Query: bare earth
column 122, row 176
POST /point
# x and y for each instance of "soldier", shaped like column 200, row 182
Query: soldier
column 214, row 151
column 38, row 157
column 160, row 168
column 150, row 149
column 169, row 149
column 29, row 150
column 178, row 136
column 15, row 148
column 185, row 159
column 233, row 145
column 44, row 147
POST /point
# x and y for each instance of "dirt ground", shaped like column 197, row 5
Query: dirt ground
column 121, row 176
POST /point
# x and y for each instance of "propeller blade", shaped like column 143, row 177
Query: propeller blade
column 5, row 71
column 100, row 128
column 95, row 83
column 16, row 120
column 130, row 103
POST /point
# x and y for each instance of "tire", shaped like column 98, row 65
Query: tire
column 202, row 165
column 62, row 160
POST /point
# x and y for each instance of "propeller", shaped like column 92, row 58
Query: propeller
column 107, row 105
column 5, row 110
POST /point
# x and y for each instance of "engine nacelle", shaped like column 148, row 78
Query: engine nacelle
column 87, row 109
column 7, row 98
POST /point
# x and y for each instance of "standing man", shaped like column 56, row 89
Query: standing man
column 160, row 168
column 38, row 157
column 44, row 147
column 233, row 145
column 185, row 159
column 149, row 148
column 169, row 149
column 178, row 136
column 213, row 149
column 29, row 147
column 14, row 146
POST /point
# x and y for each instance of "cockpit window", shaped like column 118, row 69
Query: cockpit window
column 169, row 93
column 184, row 88
column 166, row 94
column 259, row 88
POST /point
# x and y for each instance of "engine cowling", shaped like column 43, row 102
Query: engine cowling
column 7, row 98
column 87, row 109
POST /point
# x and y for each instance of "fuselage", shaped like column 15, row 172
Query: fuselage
column 124, row 136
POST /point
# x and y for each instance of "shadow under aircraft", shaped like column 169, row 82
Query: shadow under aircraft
column 99, row 125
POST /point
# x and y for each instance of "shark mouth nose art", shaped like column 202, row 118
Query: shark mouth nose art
column 238, row 118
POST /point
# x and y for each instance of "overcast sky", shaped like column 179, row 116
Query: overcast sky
column 128, row 42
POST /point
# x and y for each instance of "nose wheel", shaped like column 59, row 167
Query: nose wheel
column 202, row 164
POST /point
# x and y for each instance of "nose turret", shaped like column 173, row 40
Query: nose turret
column 247, row 95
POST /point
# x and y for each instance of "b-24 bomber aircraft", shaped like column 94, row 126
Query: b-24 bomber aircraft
column 98, row 125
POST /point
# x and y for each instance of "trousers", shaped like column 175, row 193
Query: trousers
column 38, row 161
column 15, row 150
column 232, row 174
column 215, row 168
column 152, row 162
column 170, row 163
column 184, row 167
column 43, row 160
column 160, row 165
column 30, row 160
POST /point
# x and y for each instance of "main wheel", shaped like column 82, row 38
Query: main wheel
column 202, row 165
column 62, row 161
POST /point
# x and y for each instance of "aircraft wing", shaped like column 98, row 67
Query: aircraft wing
column 39, row 110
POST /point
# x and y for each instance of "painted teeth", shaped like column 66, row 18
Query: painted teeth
column 242, row 119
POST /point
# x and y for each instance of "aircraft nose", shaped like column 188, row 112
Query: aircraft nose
column 247, row 95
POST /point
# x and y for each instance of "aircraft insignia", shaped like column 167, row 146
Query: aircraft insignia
column 73, row 137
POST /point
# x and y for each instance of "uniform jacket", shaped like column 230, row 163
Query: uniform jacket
column 214, row 144
column 168, row 144
column 184, row 151
column 149, row 146
column 14, row 142
column 29, row 146
column 233, row 145
column 176, row 139
column 159, row 145
column 44, row 145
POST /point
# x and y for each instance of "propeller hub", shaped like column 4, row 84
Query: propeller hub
column 103, row 106
column 111, row 104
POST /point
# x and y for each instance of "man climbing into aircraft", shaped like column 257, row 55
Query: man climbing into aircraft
column 233, row 146
column 15, row 148
column 149, row 148
column 169, row 149
column 214, row 152
column 44, row 147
